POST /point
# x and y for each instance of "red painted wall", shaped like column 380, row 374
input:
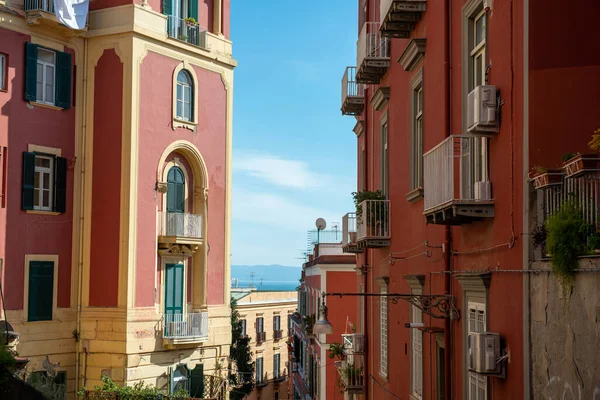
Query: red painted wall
column 106, row 181
column 227, row 18
column 100, row 4
column 22, row 233
column 155, row 135
column 504, row 301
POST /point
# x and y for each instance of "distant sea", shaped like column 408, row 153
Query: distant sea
column 269, row 285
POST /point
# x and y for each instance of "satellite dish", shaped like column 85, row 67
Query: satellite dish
column 320, row 223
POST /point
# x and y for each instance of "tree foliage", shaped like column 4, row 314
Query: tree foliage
column 241, row 377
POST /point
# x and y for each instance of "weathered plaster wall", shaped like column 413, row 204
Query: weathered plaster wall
column 565, row 335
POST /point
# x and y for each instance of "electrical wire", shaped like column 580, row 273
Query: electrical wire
column 509, row 244
column 409, row 250
column 383, row 387
column 524, row 271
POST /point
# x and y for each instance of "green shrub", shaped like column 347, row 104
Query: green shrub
column 567, row 238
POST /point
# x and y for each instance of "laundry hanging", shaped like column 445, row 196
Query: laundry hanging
column 72, row 13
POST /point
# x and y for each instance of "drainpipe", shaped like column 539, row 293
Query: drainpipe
column 448, row 229
column 81, row 214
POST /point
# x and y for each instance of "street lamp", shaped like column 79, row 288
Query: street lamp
column 322, row 326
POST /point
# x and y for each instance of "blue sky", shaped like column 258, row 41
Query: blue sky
column 294, row 155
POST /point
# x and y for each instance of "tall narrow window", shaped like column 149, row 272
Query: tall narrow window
column 175, row 191
column 243, row 326
column 383, row 332
column 43, row 183
column 47, row 76
column 259, row 370
column 361, row 167
column 276, row 366
column 416, row 136
column 476, row 324
column 478, row 50
column 41, row 291
column 185, row 93
column 276, row 323
column 384, row 167
column 3, row 71
column 416, row 354
column 46, row 70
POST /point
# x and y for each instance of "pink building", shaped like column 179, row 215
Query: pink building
column 328, row 269
column 113, row 141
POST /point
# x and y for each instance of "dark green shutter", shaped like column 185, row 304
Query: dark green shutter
column 167, row 7
column 60, row 185
column 28, row 180
column 41, row 288
column 31, row 52
column 193, row 9
column 63, row 79
column 197, row 382
column 174, row 289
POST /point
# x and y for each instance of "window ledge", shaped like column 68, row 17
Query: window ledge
column 42, row 212
column 414, row 397
column 179, row 123
column 44, row 105
column 383, row 376
column 414, row 195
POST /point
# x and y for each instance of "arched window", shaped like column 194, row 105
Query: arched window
column 175, row 191
column 185, row 96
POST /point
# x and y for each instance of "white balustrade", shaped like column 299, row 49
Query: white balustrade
column 373, row 220
column 351, row 88
column 349, row 228
column 371, row 44
column 186, row 31
column 181, row 326
column 180, row 225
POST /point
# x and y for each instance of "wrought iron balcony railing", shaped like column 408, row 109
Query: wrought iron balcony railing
column 186, row 326
column 186, row 31
column 374, row 223
column 182, row 225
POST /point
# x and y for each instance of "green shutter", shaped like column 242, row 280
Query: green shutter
column 41, row 288
column 193, row 9
column 63, row 79
column 60, row 185
column 31, row 51
column 28, row 181
column 197, row 382
column 167, row 7
column 174, row 289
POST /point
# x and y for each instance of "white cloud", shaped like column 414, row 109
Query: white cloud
column 278, row 171
column 277, row 211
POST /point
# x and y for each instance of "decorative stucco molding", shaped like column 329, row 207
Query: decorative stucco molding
column 413, row 53
column 178, row 250
column 415, row 282
column 381, row 97
column 161, row 187
column 358, row 128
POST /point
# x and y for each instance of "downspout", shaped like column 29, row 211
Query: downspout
column 81, row 213
column 448, row 230
column 525, row 222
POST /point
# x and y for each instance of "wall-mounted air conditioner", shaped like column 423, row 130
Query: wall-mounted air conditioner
column 353, row 342
column 485, row 354
column 482, row 109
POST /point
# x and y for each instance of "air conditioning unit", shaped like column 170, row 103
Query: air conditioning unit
column 481, row 110
column 484, row 353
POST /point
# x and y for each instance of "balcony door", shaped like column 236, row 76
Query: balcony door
column 175, row 202
column 174, row 290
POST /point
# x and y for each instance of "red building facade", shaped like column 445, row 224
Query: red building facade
column 448, row 98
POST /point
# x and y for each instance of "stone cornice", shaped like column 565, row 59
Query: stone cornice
column 358, row 128
column 413, row 53
column 381, row 97
column 474, row 282
column 415, row 282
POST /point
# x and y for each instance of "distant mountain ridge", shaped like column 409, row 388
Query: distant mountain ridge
column 269, row 273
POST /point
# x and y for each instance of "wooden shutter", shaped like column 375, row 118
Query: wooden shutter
column 28, row 181
column 41, row 291
column 174, row 289
column 197, row 382
column 167, row 7
column 31, row 53
column 60, row 185
column 193, row 9
column 63, row 80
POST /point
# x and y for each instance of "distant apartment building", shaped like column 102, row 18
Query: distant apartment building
column 328, row 269
column 265, row 318
column 113, row 141
column 455, row 103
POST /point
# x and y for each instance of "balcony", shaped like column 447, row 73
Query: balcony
column 452, row 194
column 261, row 337
column 353, row 94
column 373, row 224
column 352, row 373
column 179, row 228
column 372, row 54
column 399, row 17
column 185, row 328
column 277, row 335
column 186, row 31
column 349, row 234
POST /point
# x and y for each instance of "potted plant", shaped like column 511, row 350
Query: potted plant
column 376, row 215
column 544, row 177
column 353, row 375
column 577, row 164
column 336, row 350
column 191, row 21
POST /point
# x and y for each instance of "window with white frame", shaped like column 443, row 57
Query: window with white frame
column 416, row 134
column 478, row 48
column 476, row 324
column 416, row 370
column 185, row 93
column 383, row 331
column 43, row 183
column 384, row 167
column 3, row 71
column 46, row 75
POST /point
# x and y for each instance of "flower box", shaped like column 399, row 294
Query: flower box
column 546, row 178
column 580, row 164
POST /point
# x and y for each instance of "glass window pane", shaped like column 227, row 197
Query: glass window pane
column 478, row 69
column 46, row 181
column 186, row 112
column 46, row 198
column 36, row 180
column 186, row 93
column 42, row 162
column 179, row 112
column 36, row 198
column 46, row 56
column 480, row 29
column 179, row 92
